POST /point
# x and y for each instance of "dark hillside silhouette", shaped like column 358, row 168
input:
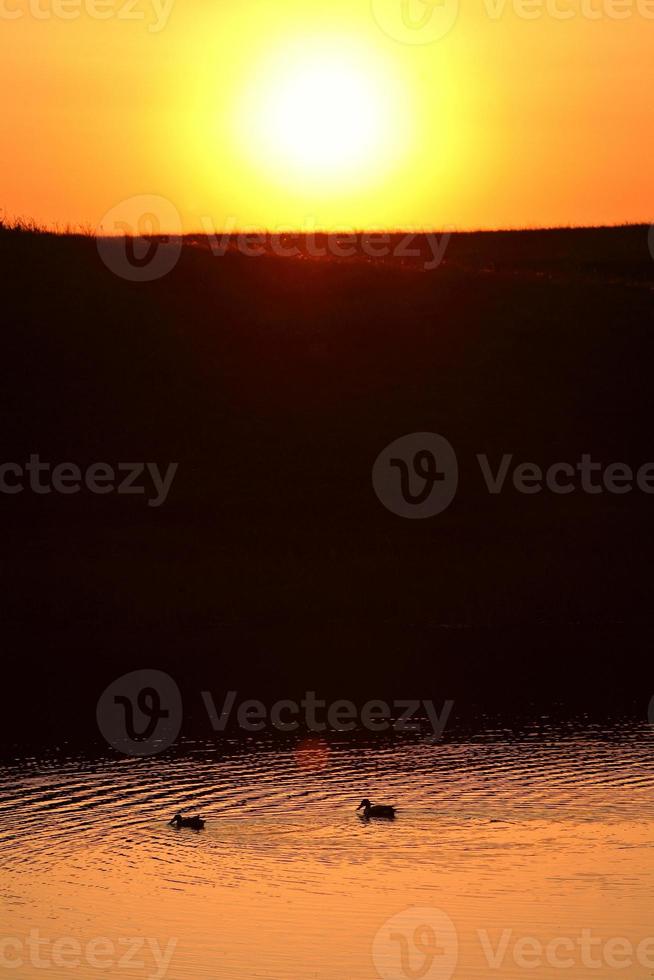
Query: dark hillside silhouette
column 274, row 384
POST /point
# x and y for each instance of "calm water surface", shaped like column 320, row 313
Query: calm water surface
column 541, row 836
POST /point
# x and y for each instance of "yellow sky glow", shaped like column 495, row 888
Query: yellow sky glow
column 336, row 114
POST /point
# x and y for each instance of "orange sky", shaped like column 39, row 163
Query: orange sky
column 337, row 113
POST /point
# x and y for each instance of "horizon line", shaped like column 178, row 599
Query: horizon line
column 28, row 225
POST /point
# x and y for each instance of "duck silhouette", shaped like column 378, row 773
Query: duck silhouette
column 195, row 823
column 376, row 810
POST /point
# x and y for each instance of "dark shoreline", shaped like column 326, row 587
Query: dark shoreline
column 272, row 567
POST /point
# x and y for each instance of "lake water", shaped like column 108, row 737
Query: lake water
column 510, row 856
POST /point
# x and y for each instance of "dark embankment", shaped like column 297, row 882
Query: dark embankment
column 274, row 384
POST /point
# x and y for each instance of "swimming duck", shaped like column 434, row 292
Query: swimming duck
column 378, row 810
column 196, row 823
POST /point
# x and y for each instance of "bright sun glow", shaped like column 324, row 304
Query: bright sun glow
column 321, row 119
column 324, row 118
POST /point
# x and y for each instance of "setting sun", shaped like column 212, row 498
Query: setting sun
column 341, row 676
column 323, row 118
column 320, row 117
column 260, row 115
